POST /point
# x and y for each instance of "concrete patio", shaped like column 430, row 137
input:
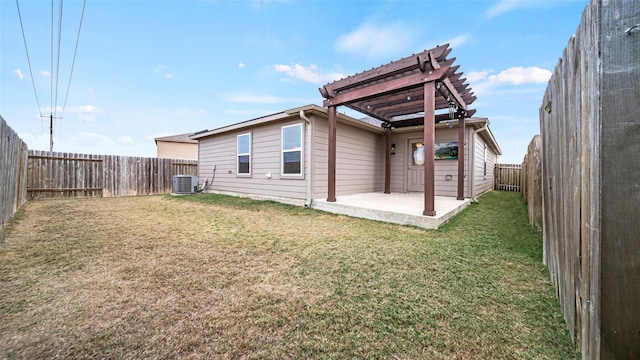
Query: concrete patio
column 397, row 208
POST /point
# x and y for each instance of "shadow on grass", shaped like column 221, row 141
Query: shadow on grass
column 239, row 202
column 488, row 219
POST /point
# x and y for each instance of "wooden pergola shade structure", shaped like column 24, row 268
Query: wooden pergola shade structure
column 404, row 93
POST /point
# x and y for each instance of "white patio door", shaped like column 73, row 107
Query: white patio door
column 415, row 172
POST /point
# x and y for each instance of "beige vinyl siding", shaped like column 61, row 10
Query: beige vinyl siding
column 483, row 183
column 359, row 160
column 320, row 154
column 265, row 159
column 449, row 167
column 176, row 150
column 400, row 162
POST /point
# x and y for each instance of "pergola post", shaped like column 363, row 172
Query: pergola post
column 461, row 130
column 387, row 164
column 403, row 93
column 429, row 147
column 331, row 188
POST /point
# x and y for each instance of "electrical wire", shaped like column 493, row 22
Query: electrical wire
column 26, row 49
column 55, row 103
column 73, row 62
column 55, row 54
column 51, row 65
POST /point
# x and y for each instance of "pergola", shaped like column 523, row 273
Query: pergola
column 405, row 93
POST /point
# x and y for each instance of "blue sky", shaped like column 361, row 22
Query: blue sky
column 145, row 69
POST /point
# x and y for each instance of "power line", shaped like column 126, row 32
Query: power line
column 55, row 103
column 51, row 65
column 24, row 39
column 73, row 62
column 55, row 52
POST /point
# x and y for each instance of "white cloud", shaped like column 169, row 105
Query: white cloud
column 89, row 138
column 36, row 141
column 162, row 69
column 19, row 73
column 484, row 82
column 158, row 68
column 241, row 65
column 248, row 113
column 453, row 42
column 376, row 41
column 125, row 140
column 310, row 74
column 157, row 135
column 48, row 110
column 476, row 75
column 241, row 97
column 519, row 75
column 504, row 6
column 45, row 73
column 86, row 113
column 459, row 40
column 188, row 113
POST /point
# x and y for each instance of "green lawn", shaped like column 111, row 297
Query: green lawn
column 210, row 276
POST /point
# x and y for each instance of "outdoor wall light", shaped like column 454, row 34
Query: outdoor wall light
column 393, row 149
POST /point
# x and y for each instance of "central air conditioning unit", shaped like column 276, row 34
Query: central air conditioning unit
column 184, row 184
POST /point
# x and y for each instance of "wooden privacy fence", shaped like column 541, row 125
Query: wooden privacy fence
column 591, row 192
column 55, row 174
column 507, row 177
column 13, row 172
column 531, row 182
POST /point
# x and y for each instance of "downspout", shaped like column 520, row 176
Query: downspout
column 472, row 180
column 309, row 158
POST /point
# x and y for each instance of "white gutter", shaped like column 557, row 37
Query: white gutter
column 473, row 160
column 309, row 158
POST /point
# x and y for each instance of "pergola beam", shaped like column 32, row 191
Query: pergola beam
column 387, row 87
column 396, row 67
column 407, row 92
column 448, row 85
column 418, row 120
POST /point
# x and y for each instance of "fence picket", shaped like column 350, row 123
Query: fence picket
column 507, row 177
column 53, row 174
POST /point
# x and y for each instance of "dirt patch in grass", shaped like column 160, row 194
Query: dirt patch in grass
column 208, row 276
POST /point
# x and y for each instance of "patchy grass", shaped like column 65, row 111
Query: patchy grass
column 210, row 276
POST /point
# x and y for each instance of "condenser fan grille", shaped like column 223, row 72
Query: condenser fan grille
column 184, row 184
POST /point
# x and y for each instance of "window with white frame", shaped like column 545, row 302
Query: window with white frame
column 292, row 150
column 244, row 155
column 485, row 161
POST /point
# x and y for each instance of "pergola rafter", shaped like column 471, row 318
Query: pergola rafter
column 403, row 93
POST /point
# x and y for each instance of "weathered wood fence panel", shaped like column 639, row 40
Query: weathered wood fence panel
column 591, row 180
column 54, row 174
column 507, row 177
column 531, row 182
column 13, row 172
column 63, row 175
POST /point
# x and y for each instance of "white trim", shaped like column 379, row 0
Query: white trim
column 485, row 160
column 299, row 175
column 238, row 154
